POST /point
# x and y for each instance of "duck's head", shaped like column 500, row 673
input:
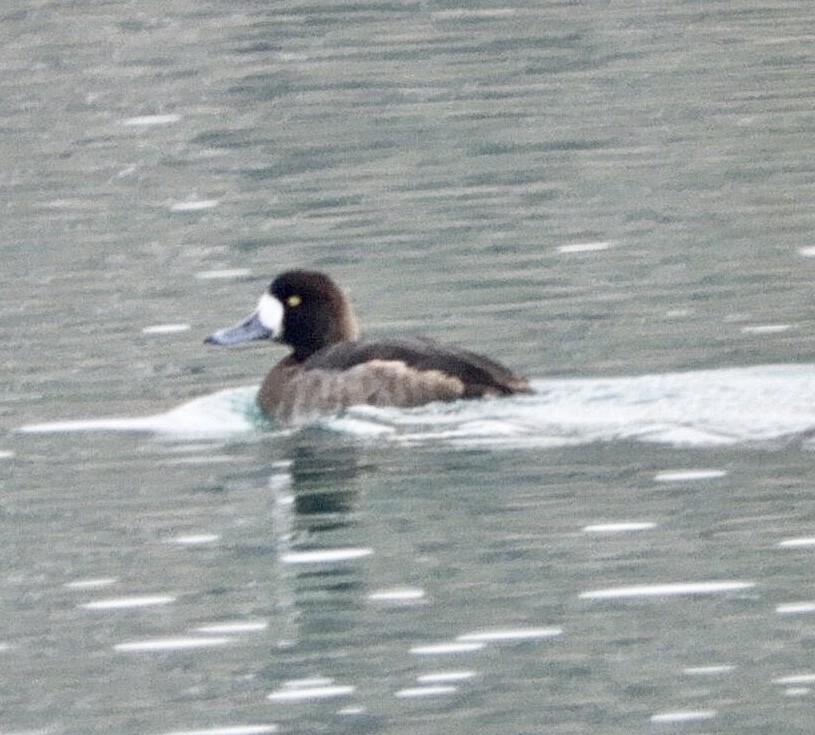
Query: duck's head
column 303, row 309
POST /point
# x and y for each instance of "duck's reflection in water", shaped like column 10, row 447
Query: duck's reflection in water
column 320, row 553
column 322, row 482
column 322, row 565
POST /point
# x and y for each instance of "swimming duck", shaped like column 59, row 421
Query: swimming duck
column 330, row 368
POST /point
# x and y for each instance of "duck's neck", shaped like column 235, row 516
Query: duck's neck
column 342, row 327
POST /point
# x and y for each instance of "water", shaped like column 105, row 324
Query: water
column 615, row 199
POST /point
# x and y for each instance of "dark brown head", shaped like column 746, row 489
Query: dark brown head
column 303, row 309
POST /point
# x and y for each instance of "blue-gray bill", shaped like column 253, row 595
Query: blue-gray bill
column 246, row 331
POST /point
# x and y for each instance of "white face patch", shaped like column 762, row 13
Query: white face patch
column 270, row 314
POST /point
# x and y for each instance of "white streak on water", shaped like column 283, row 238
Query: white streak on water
column 324, row 556
column 684, row 716
column 442, row 649
column 223, row 274
column 622, row 527
column 299, row 690
column 509, row 634
column 585, row 247
column 796, row 608
column 688, row 475
column 766, row 329
column 797, row 543
column 713, row 670
column 161, row 645
column 165, row 328
column 194, row 205
column 124, row 603
column 400, row 594
column 795, row 679
column 149, row 120
column 666, row 590
column 198, row 539
column 88, row 584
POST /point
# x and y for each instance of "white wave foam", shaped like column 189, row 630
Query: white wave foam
column 705, row 408
column 226, row 412
column 695, row 409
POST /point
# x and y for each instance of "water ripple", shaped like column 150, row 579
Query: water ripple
column 708, row 408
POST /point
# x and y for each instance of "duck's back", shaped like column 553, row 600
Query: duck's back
column 479, row 375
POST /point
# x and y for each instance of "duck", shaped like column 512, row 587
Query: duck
column 330, row 368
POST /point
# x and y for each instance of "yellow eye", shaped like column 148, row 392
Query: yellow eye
column 293, row 301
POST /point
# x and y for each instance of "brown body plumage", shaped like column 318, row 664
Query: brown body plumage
column 330, row 369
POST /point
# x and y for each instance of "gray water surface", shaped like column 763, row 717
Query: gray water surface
column 583, row 190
